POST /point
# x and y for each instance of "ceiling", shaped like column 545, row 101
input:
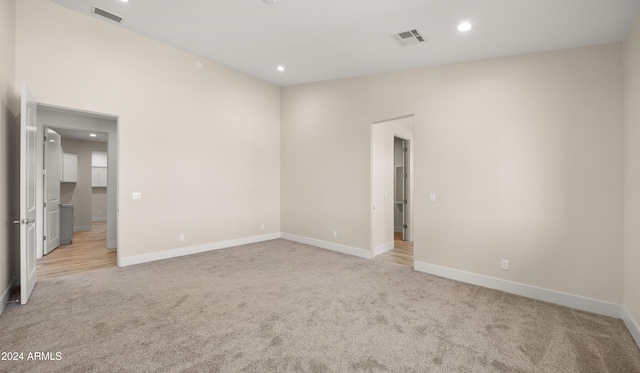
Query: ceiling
column 75, row 134
column 319, row 40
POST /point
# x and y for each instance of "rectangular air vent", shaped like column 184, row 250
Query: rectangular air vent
column 411, row 37
column 105, row 14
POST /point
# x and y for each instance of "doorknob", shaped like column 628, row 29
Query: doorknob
column 24, row 221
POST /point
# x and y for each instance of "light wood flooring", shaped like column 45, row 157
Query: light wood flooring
column 402, row 252
column 87, row 252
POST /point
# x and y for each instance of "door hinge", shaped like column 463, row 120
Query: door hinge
column 44, row 172
column 45, row 238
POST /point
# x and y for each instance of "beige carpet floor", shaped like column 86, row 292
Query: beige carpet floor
column 281, row 306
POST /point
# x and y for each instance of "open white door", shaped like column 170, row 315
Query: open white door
column 28, row 179
column 52, row 177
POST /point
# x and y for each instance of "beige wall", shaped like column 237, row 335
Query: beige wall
column 7, row 121
column 98, row 204
column 201, row 145
column 80, row 194
column 632, row 173
column 524, row 153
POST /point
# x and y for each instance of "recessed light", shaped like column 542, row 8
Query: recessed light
column 125, row 1
column 269, row 1
column 197, row 64
column 464, row 27
column 280, row 68
column 93, row 135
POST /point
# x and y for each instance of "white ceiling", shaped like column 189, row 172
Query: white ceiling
column 327, row 39
column 81, row 134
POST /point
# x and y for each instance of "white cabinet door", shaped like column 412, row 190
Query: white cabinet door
column 98, row 176
column 102, row 177
column 98, row 159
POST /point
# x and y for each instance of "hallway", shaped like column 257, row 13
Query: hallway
column 402, row 252
column 87, row 252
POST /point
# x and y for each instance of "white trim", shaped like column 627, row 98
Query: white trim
column 7, row 294
column 354, row 251
column 182, row 251
column 546, row 295
column 81, row 228
column 95, row 220
column 382, row 248
column 631, row 324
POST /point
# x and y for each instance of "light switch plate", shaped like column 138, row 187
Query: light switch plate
column 432, row 197
column 136, row 195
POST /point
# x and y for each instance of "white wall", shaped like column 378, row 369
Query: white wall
column 632, row 178
column 524, row 153
column 383, row 163
column 8, row 111
column 201, row 145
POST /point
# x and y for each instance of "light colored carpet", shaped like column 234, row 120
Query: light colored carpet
column 287, row 307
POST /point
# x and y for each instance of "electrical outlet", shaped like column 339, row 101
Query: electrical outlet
column 335, row 233
column 136, row 195
column 505, row 264
column 181, row 237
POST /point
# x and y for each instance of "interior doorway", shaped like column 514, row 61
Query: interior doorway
column 85, row 178
column 31, row 163
column 392, row 190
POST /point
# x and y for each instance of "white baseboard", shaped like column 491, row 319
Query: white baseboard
column 631, row 324
column 96, row 220
column 6, row 294
column 546, row 295
column 382, row 249
column 182, row 251
column 354, row 251
column 81, row 228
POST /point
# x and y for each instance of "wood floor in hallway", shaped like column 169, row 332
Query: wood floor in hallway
column 402, row 252
column 87, row 252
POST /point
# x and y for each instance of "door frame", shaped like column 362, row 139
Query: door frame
column 371, row 177
column 406, row 185
column 112, row 178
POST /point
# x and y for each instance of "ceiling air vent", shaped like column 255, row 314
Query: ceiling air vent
column 105, row 14
column 411, row 37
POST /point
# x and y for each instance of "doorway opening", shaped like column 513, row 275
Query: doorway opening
column 79, row 192
column 392, row 190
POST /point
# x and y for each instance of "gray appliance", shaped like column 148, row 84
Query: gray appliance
column 66, row 224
